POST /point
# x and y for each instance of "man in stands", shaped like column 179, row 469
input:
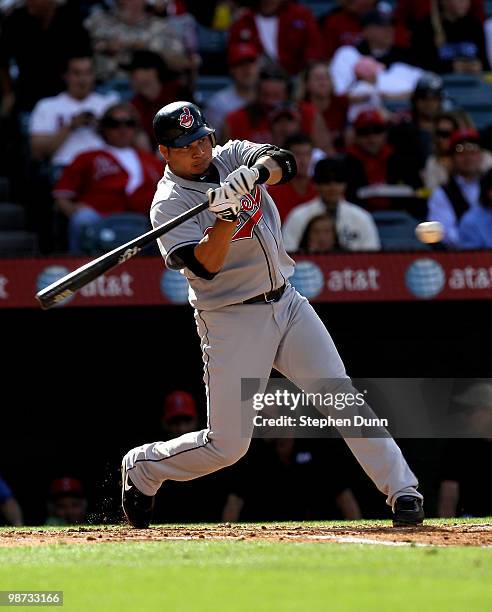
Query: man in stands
column 301, row 188
column 371, row 160
column 355, row 227
column 114, row 178
column 448, row 203
column 244, row 69
column 283, row 31
column 63, row 126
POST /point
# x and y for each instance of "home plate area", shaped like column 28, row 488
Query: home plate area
column 450, row 534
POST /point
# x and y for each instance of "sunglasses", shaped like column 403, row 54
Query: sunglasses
column 443, row 133
column 370, row 130
column 467, row 147
column 112, row 123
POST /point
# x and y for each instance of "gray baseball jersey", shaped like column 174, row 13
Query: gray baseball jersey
column 257, row 261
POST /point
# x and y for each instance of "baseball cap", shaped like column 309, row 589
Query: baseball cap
column 330, row 170
column 371, row 116
column 241, row 52
column 463, row 135
column 179, row 403
column 66, row 486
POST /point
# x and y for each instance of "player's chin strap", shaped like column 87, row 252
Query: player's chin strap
column 285, row 160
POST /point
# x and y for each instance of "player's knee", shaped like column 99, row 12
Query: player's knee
column 231, row 450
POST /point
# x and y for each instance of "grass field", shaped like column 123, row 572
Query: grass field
column 250, row 574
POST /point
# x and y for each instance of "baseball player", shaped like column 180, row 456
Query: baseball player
column 249, row 317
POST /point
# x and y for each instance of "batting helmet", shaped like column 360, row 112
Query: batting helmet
column 180, row 123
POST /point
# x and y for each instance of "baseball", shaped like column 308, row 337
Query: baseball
column 430, row 232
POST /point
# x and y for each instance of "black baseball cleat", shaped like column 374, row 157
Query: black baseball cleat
column 138, row 508
column 408, row 511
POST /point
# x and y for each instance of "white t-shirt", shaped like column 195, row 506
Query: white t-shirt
column 128, row 158
column 221, row 104
column 51, row 114
column 268, row 32
column 355, row 227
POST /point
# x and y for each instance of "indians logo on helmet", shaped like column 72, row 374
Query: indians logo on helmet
column 186, row 119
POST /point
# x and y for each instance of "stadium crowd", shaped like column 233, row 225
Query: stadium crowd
column 387, row 108
column 395, row 96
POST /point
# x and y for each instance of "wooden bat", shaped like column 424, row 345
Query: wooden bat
column 69, row 284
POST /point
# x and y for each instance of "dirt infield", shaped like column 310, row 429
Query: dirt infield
column 457, row 534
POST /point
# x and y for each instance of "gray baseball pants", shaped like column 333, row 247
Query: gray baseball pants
column 245, row 341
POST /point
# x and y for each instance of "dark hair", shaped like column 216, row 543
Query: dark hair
column 303, row 244
column 297, row 139
column 485, row 187
column 77, row 56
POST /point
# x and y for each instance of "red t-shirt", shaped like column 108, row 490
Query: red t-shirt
column 299, row 38
column 97, row 179
column 335, row 115
column 286, row 197
column 341, row 27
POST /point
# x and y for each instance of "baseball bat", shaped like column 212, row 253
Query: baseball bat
column 69, row 284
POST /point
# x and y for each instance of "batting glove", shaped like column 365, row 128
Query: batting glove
column 242, row 180
column 224, row 202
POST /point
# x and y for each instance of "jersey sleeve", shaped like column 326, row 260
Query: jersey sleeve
column 185, row 234
column 244, row 152
column 42, row 120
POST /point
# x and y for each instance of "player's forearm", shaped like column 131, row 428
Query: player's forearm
column 212, row 250
column 44, row 145
column 272, row 167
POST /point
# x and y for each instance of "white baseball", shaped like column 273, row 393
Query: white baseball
column 430, row 232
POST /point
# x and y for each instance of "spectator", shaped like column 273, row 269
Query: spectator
column 54, row 34
column 63, row 126
column 355, row 227
column 244, row 69
column 320, row 236
column 67, row 504
column 115, row 178
column 286, row 33
column 253, row 121
column 450, row 39
column 198, row 500
column 301, row 188
column 412, row 136
column 128, row 27
column 376, row 69
column 279, row 481
column 448, row 203
column 343, row 25
column 475, row 228
column 180, row 415
column 460, row 491
column 372, row 161
column 9, row 507
column 154, row 86
column 436, row 171
column 317, row 87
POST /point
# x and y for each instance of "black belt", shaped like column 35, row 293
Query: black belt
column 266, row 298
